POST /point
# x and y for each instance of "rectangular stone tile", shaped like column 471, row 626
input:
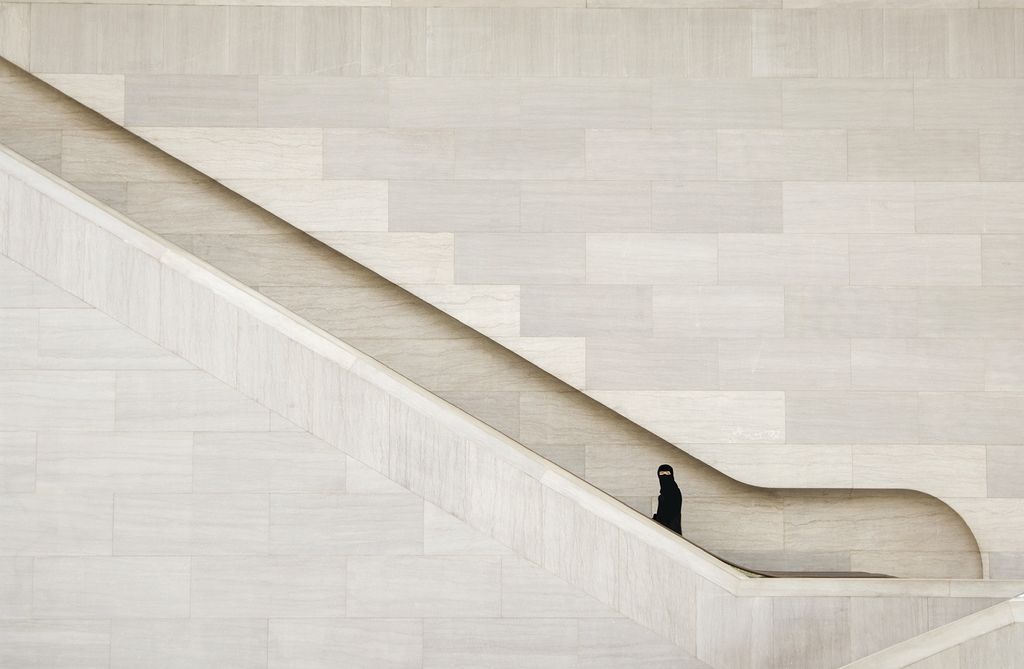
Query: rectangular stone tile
column 904, row 618
column 1002, row 258
column 715, row 103
column 194, row 401
column 713, row 417
column 969, row 103
column 19, row 340
column 17, row 462
column 268, row 587
column 15, row 589
column 989, row 312
column 296, row 45
column 188, row 643
column 519, row 154
column 111, row 587
column 365, row 644
column 528, row 591
column 1004, row 365
column 487, row 42
column 1001, row 156
column 947, row 471
column 915, row 260
column 851, row 417
column 90, row 339
column 266, row 462
column 724, row 615
column 114, row 462
column 322, row 102
column 823, row 644
column 718, row 311
column 837, row 207
column 620, row 643
column 650, row 154
column 424, row 587
column 848, row 103
column 499, row 643
column 643, row 363
column 453, row 206
column 316, row 205
column 245, row 153
column 971, row 418
column 585, row 206
column 851, row 311
column 918, row 364
column 713, row 206
column 970, row 207
column 652, row 258
column 913, row 155
column 186, row 524
column 785, row 43
column 318, row 524
column 851, row 41
column 14, row 19
column 60, row 644
column 916, row 42
column 708, row 43
column 585, row 311
column 507, row 258
column 621, row 102
column 393, row 43
column 56, row 400
column 778, row 155
column 784, row 364
column 197, row 101
column 773, row 259
column 431, row 102
column 382, row 153
column 981, row 43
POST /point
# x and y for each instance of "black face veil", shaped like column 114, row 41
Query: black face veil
column 670, row 501
column 669, row 480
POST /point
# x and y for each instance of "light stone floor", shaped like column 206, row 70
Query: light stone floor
column 821, row 530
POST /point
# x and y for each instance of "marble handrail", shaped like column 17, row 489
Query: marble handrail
column 377, row 416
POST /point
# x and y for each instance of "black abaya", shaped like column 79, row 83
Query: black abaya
column 670, row 501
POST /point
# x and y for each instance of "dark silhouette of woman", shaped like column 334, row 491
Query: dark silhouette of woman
column 670, row 500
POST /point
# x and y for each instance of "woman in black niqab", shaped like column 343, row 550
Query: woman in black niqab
column 670, row 500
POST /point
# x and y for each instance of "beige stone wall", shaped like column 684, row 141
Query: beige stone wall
column 754, row 231
column 892, row 532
